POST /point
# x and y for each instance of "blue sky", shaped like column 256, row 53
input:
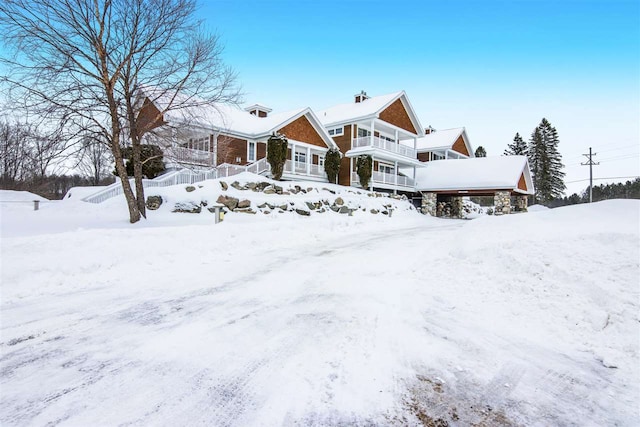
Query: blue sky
column 496, row 67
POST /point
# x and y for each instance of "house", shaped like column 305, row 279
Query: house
column 208, row 136
column 445, row 182
column 384, row 127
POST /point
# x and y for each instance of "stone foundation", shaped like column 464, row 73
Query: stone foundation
column 456, row 207
column 429, row 202
column 502, row 203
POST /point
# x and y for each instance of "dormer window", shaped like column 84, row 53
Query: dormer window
column 258, row 110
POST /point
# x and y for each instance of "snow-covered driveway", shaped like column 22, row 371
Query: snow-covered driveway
column 529, row 319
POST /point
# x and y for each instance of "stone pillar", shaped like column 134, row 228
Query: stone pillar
column 502, row 203
column 429, row 201
column 456, row 207
column 521, row 203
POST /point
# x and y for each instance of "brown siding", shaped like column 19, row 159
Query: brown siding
column 301, row 130
column 397, row 115
column 460, row 147
column 261, row 151
column 229, row 148
column 522, row 184
column 149, row 116
column 423, row 157
column 344, row 144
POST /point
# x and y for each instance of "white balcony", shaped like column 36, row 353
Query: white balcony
column 386, row 180
column 300, row 168
column 383, row 144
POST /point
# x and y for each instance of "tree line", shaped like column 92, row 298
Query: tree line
column 628, row 190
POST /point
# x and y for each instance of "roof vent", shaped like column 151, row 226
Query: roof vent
column 361, row 97
column 258, row 110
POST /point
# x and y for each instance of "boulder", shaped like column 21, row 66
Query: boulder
column 190, row 188
column 278, row 189
column 330, row 191
column 187, row 207
column 339, row 201
column 303, row 212
column 244, row 204
column 252, row 186
column 262, row 185
column 334, row 208
column 310, row 205
column 269, row 190
column 344, row 210
column 374, row 211
column 283, row 207
column 224, row 185
column 309, row 189
column 230, row 202
column 154, row 202
column 237, row 186
column 245, row 210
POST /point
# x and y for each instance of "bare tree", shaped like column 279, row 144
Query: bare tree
column 85, row 63
column 94, row 160
column 13, row 152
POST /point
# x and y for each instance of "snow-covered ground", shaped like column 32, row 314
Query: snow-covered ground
column 280, row 319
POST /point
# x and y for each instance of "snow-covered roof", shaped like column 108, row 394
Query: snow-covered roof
column 480, row 173
column 230, row 118
column 369, row 108
column 441, row 139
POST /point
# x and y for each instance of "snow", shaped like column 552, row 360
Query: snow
column 354, row 111
column 527, row 319
column 501, row 172
column 441, row 139
column 19, row 196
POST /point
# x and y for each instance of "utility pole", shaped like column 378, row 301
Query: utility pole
column 591, row 163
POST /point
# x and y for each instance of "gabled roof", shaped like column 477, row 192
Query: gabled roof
column 480, row 173
column 442, row 140
column 370, row 108
column 230, row 118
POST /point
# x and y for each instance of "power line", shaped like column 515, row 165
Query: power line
column 600, row 179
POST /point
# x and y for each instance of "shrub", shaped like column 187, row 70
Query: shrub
column 364, row 164
column 151, row 157
column 332, row 164
column 277, row 154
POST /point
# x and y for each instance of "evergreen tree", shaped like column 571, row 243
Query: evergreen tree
column 481, row 152
column 332, row 164
column 545, row 162
column 518, row 148
column 277, row 154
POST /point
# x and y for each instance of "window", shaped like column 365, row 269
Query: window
column 336, row 131
column 251, row 152
column 320, row 160
column 201, row 144
column 301, row 159
column 386, row 138
column 435, row 156
column 385, row 168
column 363, row 132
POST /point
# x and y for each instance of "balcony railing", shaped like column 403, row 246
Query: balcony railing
column 189, row 156
column 387, row 179
column 383, row 144
column 300, row 168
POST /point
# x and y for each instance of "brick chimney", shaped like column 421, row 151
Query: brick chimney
column 258, row 110
column 361, row 97
column 429, row 130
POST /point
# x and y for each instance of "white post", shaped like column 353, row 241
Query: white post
column 373, row 128
column 395, row 191
column 215, row 149
column 350, row 171
column 293, row 158
column 308, row 158
column 373, row 161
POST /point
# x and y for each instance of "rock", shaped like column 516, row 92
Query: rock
column 269, row 190
column 244, row 204
column 266, row 212
column 298, row 188
column 245, row 210
column 285, row 193
column 344, row 210
column 322, row 210
column 303, row 212
column 317, row 205
column 278, row 189
column 334, row 208
column 230, row 202
column 154, row 202
column 330, row 191
column 283, row 207
column 385, row 213
column 310, row 205
column 204, row 203
column 190, row 188
column 309, row 189
column 262, row 185
column 339, row 201
column 252, row 186
column 374, row 211
column 237, row 186
column 262, row 206
column 224, row 186
column 187, row 207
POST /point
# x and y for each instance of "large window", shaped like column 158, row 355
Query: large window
column 201, row 144
column 363, row 132
column 385, row 168
column 301, row 159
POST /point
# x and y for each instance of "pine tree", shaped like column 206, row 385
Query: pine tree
column 518, row 148
column 481, row 152
column 545, row 162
